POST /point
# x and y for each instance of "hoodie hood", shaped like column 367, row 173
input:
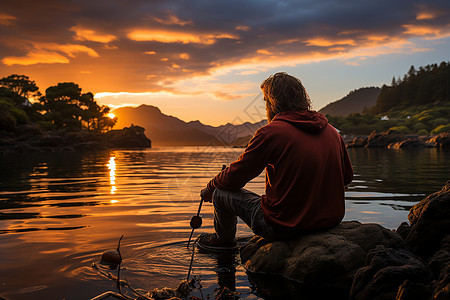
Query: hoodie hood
column 307, row 120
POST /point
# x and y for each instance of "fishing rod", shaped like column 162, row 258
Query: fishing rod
column 197, row 221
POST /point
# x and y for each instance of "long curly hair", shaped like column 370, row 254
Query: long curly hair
column 283, row 92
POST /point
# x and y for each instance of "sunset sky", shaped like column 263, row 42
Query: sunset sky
column 204, row 60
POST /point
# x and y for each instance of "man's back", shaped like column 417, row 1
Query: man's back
column 307, row 167
column 306, row 173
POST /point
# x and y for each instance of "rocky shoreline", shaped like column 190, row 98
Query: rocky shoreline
column 29, row 138
column 364, row 261
column 393, row 139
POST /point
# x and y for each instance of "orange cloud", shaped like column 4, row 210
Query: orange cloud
column 150, row 52
column 264, row 51
column 69, row 49
column 421, row 30
column 184, row 56
column 167, row 36
column 49, row 53
column 425, row 16
column 6, row 19
column 427, row 13
column 33, row 58
column 85, row 34
column 288, row 41
column 172, row 19
column 242, row 28
column 322, row 42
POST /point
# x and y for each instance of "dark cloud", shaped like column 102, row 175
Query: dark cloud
column 188, row 38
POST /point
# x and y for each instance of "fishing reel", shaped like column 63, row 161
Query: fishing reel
column 196, row 222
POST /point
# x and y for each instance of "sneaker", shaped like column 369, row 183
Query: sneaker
column 211, row 242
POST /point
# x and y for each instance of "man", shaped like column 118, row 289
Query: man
column 307, row 170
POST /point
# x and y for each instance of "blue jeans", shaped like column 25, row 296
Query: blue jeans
column 230, row 204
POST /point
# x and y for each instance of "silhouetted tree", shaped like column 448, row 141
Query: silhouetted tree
column 67, row 107
column 21, row 85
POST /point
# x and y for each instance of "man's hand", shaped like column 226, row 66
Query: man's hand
column 206, row 195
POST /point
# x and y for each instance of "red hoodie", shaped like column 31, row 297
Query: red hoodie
column 307, row 169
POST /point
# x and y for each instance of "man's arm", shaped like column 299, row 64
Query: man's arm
column 249, row 165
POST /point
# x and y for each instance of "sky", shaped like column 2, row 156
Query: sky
column 205, row 60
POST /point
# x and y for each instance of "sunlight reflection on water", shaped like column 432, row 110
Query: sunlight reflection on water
column 64, row 210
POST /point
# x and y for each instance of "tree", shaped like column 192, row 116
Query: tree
column 394, row 82
column 21, row 85
column 67, row 107
column 412, row 72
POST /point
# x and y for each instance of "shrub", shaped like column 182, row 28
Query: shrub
column 402, row 129
column 439, row 121
column 441, row 129
column 420, row 126
column 422, row 132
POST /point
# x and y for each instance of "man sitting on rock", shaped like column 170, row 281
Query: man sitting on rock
column 307, row 170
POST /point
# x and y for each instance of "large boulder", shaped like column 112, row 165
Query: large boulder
column 440, row 265
column 128, row 137
column 408, row 144
column 386, row 270
column 374, row 261
column 328, row 257
column 440, row 141
column 430, row 223
column 384, row 139
column 357, row 142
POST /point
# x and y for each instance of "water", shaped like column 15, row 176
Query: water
column 59, row 212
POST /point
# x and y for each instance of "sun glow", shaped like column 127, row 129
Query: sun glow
column 111, row 115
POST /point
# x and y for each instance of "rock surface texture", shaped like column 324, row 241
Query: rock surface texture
column 393, row 139
column 368, row 260
column 329, row 257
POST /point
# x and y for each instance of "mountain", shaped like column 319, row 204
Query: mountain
column 354, row 102
column 166, row 130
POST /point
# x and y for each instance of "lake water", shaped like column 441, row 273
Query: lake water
column 59, row 212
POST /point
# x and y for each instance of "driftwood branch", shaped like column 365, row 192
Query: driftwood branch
column 121, row 282
column 118, row 268
column 111, row 294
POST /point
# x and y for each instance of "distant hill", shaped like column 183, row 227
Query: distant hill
column 416, row 103
column 426, row 87
column 166, row 130
column 354, row 102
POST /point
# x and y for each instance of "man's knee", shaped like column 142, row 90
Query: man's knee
column 218, row 196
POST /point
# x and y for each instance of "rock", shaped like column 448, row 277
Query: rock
column 50, row 141
column 408, row 144
column 412, row 291
column 129, row 137
column 358, row 142
column 269, row 286
column 440, row 141
column 385, row 271
column 440, row 266
column 111, row 257
column 329, row 257
column 383, row 139
column 22, row 147
column 403, row 230
column 90, row 146
column 27, row 132
column 430, row 223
